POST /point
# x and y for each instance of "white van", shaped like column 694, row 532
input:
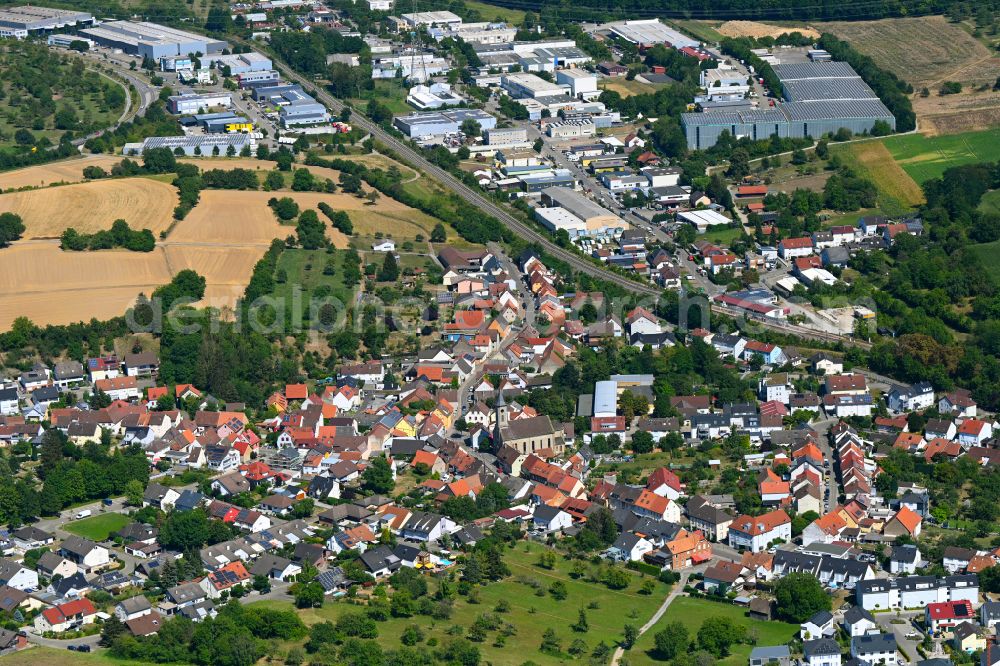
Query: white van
column 83, row 514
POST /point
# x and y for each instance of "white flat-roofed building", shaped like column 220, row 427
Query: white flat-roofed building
column 500, row 136
column 66, row 40
column 581, row 82
column 434, row 96
column 648, row 32
column 703, row 219
column 243, row 63
column 555, row 219
column 192, row 103
column 521, row 85
column 21, row 21
column 434, row 123
column 605, row 398
column 152, row 40
column 194, row 145
column 432, row 19
column 571, row 129
column 477, row 33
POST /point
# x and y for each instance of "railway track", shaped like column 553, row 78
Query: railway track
column 419, row 162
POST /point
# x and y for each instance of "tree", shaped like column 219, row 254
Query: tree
column 11, row 228
column 630, row 634
column 390, row 269
column 471, row 128
column 274, row 180
column 558, row 590
column 799, row 596
column 377, row 477
column 438, row 233
column 739, row 164
column 134, row 492
column 112, row 629
column 672, row 641
column 310, row 230
column 717, row 634
column 642, row 442
column 581, row 626
column 308, row 595
column 184, row 530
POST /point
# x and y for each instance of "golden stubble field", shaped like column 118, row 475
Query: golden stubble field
column 758, row 30
column 222, row 239
column 88, row 207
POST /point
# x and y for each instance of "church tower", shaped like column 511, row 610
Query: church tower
column 499, row 420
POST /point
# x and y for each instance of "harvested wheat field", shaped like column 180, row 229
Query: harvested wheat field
column 67, row 171
column 758, row 30
column 921, row 51
column 206, row 163
column 244, row 218
column 90, row 207
column 49, row 286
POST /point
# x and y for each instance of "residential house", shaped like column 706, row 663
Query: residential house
column 875, row 649
column 859, row 622
column 67, row 616
column 16, row 575
column 821, row 652
column 820, row 625
column 756, row 533
column 87, row 555
column 629, row 547
column 550, row 519
column 771, row 655
column 905, row 559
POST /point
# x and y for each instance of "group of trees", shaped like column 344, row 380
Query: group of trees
column 120, row 235
column 232, row 179
column 11, row 228
column 340, row 220
column 238, row 636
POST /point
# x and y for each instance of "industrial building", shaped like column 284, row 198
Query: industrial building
column 570, row 129
column 582, row 84
column 295, row 106
column 261, row 79
column 823, row 97
column 193, row 103
column 151, row 40
column 505, row 136
column 242, row 63
column 434, row 96
column 432, row 19
column 596, row 217
column 477, row 33
column 434, row 123
column 528, row 86
column 194, row 145
column 66, row 40
column 702, row 219
column 22, row 21
column 649, row 32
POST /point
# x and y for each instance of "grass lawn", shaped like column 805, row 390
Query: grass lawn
column 990, row 203
column 723, row 235
column 531, row 615
column 36, row 655
column 390, row 92
column 644, row 463
column 490, row 12
column 988, row 253
column 851, row 219
column 898, row 192
column 98, row 527
column 304, row 269
column 692, row 612
column 924, row 157
column 703, row 30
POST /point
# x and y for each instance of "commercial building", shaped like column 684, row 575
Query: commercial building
column 194, row 145
column 916, row 591
column 66, row 40
column 242, row 63
column 649, row 32
column 432, row 19
column 570, row 129
column 259, row 79
column 295, row 106
column 702, row 219
column 505, row 136
column 195, row 103
column 418, row 125
column 581, row 83
column 596, row 217
column 151, row 40
column 477, row 33
column 21, row 21
column 528, row 86
column 434, row 96
column 823, row 97
column 556, row 219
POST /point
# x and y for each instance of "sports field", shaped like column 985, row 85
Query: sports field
column 924, row 157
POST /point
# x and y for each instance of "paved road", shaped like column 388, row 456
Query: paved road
column 522, row 229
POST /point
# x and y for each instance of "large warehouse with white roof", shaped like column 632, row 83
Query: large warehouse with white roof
column 21, row 21
column 152, row 40
column 823, row 97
